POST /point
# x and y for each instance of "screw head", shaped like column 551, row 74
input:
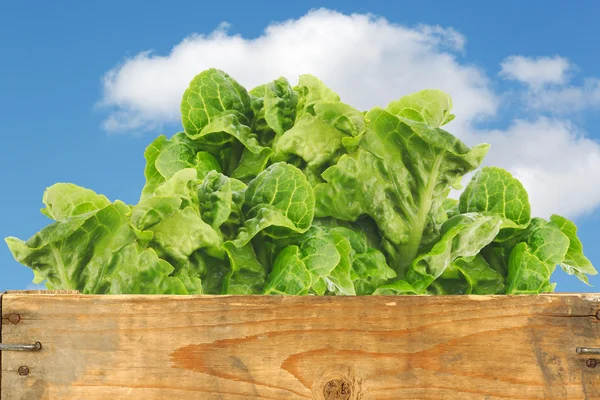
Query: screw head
column 591, row 363
column 14, row 318
column 598, row 314
column 23, row 371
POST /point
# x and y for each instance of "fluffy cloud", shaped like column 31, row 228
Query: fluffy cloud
column 556, row 163
column 370, row 61
column 565, row 99
column 536, row 71
column 547, row 80
column 367, row 60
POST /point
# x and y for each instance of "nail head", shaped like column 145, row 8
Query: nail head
column 14, row 318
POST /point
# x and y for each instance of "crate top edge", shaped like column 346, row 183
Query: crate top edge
column 591, row 295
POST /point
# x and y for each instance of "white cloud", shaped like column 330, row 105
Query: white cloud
column 536, row 72
column 367, row 60
column 558, row 166
column 547, row 80
column 566, row 99
column 370, row 61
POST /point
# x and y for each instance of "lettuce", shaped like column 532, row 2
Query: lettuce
column 287, row 190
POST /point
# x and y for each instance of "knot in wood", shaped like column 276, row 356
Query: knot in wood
column 337, row 389
column 338, row 382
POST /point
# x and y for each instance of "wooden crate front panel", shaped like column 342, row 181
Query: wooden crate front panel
column 267, row 347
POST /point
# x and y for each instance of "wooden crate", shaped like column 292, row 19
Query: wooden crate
column 268, row 347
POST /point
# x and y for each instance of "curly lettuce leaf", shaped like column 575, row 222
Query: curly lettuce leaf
column 209, row 94
column 246, row 274
column 251, row 164
column 289, row 275
column 472, row 275
column 137, row 270
column 65, row 201
column 288, row 190
column 574, row 262
column 494, row 191
column 95, row 254
column 399, row 176
column 430, row 107
column 534, row 254
column 315, row 141
column 280, row 102
column 280, row 201
column 311, row 91
column 221, row 199
column 396, row 288
column 176, row 232
column 370, row 271
column 165, row 157
column 339, row 280
column 527, row 274
column 463, row 236
column 153, row 177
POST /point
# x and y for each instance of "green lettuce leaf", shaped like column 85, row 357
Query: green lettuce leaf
column 473, row 275
column 288, row 190
column 339, row 280
column 431, row 107
column 251, row 164
column 65, row 201
column 370, row 271
column 221, row 200
column 177, row 232
column 574, row 262
column 315, row 141
column 311, row 91
column 280, row 201
column 463, row 236
column 280, row 102
column 289, row 274
column 494, row 191
column 95, row 254
column 136, row 270
column 534, row 254
column 396, row 288
column 209, row 94
column 165, row 157
column 527, row 274
column 399, row 176
column 246, row 274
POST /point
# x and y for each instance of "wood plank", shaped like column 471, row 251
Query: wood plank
column 334, row 348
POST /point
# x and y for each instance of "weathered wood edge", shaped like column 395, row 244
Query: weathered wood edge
column 475, row 296
column 589, row 296
column 11, row 292
column 42, row 291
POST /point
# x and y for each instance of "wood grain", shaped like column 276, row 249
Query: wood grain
column 334, row 348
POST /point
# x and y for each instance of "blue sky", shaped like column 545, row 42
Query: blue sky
column 54, row 60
